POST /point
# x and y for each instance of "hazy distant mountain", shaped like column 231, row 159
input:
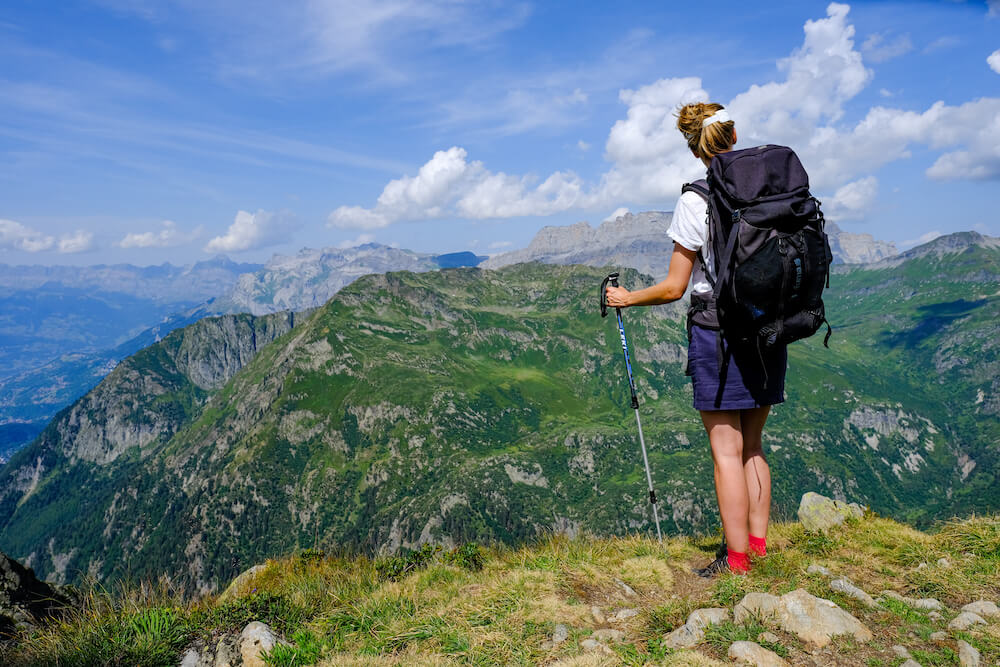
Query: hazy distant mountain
column 640, row 241
column 193, row 283
column 312, row 276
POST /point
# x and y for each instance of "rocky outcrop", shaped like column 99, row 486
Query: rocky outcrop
column 819, row 513
column 851, row 248
column 24, row 600
column 638, row 241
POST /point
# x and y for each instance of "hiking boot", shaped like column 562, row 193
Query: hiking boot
column 718, row 566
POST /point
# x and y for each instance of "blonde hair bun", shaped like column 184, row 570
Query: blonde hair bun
column 705, row 141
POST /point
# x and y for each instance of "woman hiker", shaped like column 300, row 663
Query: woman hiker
column 734, row 399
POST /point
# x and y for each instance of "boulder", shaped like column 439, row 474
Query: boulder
column 238, row 586
column 816, row 620
column 560, row 634
column 749, row 653
column 819, row 513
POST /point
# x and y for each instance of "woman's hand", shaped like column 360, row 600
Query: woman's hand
column 617, row 297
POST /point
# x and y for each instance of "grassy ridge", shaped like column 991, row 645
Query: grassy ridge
column 500, row 605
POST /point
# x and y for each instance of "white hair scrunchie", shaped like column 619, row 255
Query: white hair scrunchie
column 720, row 116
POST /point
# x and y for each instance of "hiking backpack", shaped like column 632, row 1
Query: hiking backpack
column 772, row 256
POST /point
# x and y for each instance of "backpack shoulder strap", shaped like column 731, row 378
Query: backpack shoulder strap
column 700, row 187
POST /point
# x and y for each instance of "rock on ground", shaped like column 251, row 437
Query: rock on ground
column 608, row 635
column 754, row 654
column 819, row 513
column 927, row 604
column 984, row 608
column 966, row 620
column 968, row 655
column 817, row 620
column 598, row 615
column 693, row 631
column 847, row 588
column 901, row 652
column 761, row 605
column 255, row 639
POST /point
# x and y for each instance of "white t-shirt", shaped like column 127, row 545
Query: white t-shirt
column 689, row 227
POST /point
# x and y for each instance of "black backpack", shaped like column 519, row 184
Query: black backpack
column 772, row 255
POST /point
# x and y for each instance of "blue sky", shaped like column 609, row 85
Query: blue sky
column 144, row 132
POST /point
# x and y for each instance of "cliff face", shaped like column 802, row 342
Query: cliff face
column 857, row 248
column 638, row 241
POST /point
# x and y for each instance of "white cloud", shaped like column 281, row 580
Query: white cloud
column 885, row 92
column 878, row 50
column 993, row 60
column 852, row 201
column 994, row 6
column 619, row 212
column 649, row 160
column 15, row 236
column 497, row 245
column 583, row 145
column 450, row 186
column 920, row 240
column 251, row 231
column 168, row 237
column 354, row 243
column 942, row 43
column 79, row 241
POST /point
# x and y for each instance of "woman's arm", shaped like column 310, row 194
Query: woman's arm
column 671, row 289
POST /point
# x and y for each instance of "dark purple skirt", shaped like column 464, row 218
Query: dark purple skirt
column 747, row 380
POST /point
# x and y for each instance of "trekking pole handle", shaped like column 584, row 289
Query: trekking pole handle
column 613, row 279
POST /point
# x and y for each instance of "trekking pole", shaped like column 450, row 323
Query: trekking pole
column 613, row 279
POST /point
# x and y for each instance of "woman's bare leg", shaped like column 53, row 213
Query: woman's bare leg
column 755, row 469
column 726, row 437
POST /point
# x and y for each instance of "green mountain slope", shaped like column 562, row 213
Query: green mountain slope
column 481, row 405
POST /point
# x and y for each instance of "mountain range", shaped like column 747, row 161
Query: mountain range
column 64, row 328
column 491, row 405
column 640, row 241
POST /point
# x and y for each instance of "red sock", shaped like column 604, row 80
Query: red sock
column 738, row 563
column 758, row 546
